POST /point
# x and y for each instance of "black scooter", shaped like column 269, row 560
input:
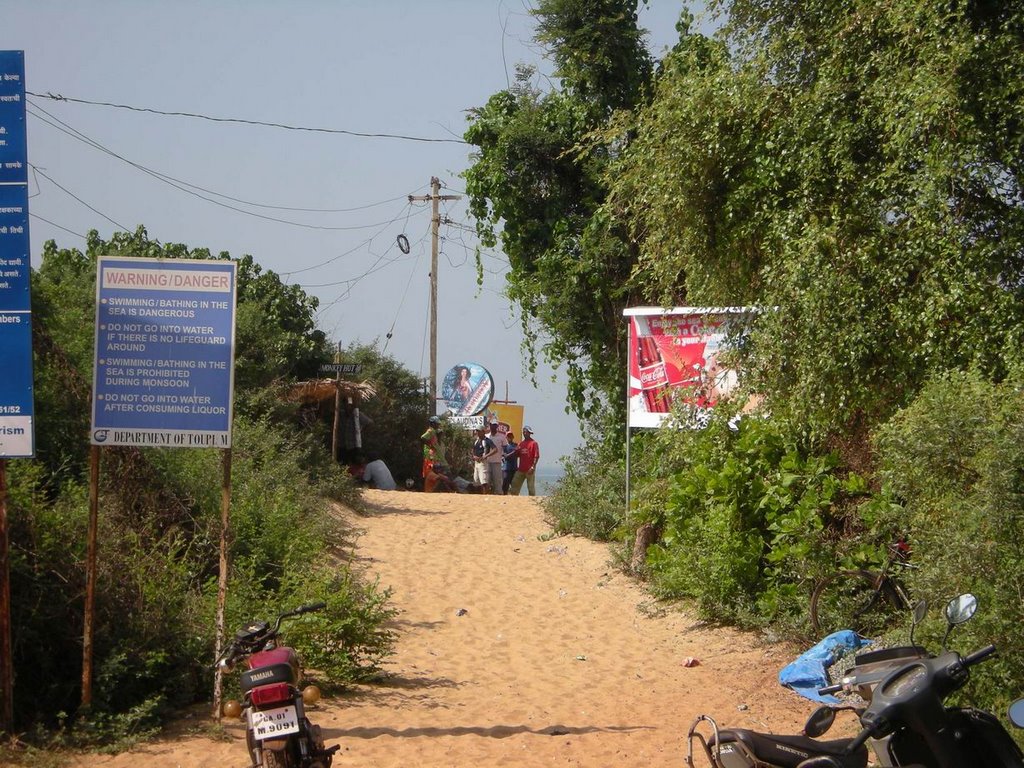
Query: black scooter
column 905, row 720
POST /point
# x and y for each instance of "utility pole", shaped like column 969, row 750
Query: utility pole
column 435, row 221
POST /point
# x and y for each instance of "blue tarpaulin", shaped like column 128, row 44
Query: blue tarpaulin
column 807, row 673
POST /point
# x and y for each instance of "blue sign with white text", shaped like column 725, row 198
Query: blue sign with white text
column 17, row 439
column 165, row 338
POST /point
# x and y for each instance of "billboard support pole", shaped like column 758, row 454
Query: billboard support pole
column 222, row 578
column 90, row 575
column 628, row 434
column 7, row 673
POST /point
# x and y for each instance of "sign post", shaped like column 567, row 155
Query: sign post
column 164, row 368
column 163, row 377
column 17, row 439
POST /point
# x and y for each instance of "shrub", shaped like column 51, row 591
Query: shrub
column 956, row 458
column 749, row 521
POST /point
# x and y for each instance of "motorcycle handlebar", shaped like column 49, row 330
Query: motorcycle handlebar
column 310, row 607
column 830, row 689
column 979, row 655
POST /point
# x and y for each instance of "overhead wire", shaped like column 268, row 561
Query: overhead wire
column 78, row 135
column 58, row 226
column 367, row 242
column 68, row 192
column 242, row 121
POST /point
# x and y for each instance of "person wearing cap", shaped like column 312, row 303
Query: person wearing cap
column 483, row 450
column 494, row 473
column 528, row 454
column 509, row 462
column 431, row 444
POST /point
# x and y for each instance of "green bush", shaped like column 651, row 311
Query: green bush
column 956, row 459
column 750, row 521
column 590, row 499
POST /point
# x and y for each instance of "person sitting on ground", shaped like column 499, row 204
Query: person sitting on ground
column 437, row 481
column 377, row 475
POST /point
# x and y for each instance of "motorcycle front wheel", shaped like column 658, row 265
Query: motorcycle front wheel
column 863, row 601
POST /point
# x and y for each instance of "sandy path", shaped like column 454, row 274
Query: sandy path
column 517, row 651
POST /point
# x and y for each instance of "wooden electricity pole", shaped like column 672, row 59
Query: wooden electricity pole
column 435, row 221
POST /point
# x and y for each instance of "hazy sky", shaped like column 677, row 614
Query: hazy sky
column 368, row 66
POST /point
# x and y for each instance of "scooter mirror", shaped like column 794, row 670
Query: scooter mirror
column 961, row 609
column 1017, row 713
column 820, row 721
column 920, row 611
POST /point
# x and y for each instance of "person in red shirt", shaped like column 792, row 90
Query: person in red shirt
column 529, row 454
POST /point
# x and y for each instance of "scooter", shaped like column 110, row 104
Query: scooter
column 278, row 733
column 905, row 720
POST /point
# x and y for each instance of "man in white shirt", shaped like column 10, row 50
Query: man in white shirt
column 495, row 476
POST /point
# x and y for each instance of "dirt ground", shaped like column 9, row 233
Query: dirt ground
column 516, row 649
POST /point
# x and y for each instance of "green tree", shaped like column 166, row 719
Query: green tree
column 536, row 188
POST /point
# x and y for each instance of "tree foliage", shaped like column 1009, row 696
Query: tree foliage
column 856, row 167
column 536, row 188
column 160, row 515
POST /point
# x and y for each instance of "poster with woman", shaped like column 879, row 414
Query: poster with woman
column 467, row 389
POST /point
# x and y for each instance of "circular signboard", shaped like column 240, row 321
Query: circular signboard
column 467, row 389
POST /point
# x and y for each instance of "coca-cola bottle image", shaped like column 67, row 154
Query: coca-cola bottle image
column 653, row 376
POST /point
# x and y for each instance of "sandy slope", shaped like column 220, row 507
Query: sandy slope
column 514, row 650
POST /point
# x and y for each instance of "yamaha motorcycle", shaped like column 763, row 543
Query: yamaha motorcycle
column 278, row 733
column 905, row 720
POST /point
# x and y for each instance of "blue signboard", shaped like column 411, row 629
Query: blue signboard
column 16, row 408
column 165, row 340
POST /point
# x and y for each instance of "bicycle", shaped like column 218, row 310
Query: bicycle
column 864, row 601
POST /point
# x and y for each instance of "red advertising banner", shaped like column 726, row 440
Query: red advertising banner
column 675, row 357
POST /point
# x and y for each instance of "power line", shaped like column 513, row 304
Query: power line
column 76, row 197
column 283, row 126
column 58, row 226
column 82, row 137
column 78, row 135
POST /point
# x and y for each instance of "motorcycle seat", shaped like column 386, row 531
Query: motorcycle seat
column 790, row 751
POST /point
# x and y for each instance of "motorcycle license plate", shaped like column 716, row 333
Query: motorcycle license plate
column 271, row 723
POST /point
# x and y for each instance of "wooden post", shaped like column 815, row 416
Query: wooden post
column 6, row 662
column 222, row 581
column 90, row 575
column 337, row 408
column 435, row 197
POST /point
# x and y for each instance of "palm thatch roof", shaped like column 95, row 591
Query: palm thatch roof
column 318, row 390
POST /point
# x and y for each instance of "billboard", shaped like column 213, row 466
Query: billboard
column 165, row 342
column 17, row 435
column 676, row 356
column 509, row 416
column 467, row 389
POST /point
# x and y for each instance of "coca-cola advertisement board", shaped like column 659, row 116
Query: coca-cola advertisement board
column 675, row 357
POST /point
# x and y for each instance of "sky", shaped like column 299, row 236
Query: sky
column 321, row 209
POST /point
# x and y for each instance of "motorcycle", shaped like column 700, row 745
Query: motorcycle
column 278, row 733
column 905, row 720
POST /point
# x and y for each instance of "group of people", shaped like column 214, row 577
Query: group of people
column 500, row 464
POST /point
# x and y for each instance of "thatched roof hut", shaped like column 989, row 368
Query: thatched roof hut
column 318, row 390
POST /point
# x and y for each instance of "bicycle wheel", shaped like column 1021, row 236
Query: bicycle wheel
column 851, row 600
